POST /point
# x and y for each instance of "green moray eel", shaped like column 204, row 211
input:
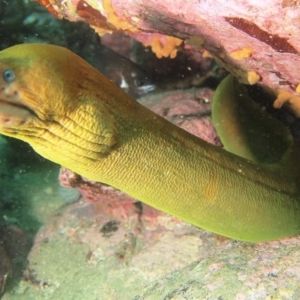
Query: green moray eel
column 244, row 128
column 71, row 114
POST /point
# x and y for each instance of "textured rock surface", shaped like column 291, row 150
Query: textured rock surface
column 82, row 254
column 256, row 40
column 236, row 270
column 74, row 257
column 15, row 244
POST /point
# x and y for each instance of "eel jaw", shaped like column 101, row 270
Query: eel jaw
column 13, row 111
column 12, row 115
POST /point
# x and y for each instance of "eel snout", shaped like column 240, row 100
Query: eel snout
column 13, row 110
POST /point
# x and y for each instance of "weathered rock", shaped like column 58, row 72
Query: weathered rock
column 236, row 270
column 257, row 41
column 15, row 244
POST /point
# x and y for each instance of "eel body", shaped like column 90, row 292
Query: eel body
column 244, row 128
column 74, row 116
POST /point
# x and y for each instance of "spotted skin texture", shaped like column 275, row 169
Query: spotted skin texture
column 71, row 114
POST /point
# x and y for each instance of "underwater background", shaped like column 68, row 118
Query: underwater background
column 65, row 237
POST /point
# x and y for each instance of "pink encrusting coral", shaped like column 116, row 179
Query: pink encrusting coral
column 257, row 41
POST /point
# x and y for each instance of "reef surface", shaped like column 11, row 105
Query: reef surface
column 257, row 41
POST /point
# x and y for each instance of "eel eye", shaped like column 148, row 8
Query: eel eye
column 9, row 75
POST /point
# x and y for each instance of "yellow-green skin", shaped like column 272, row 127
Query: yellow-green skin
column 244, row 127
column 74, row 116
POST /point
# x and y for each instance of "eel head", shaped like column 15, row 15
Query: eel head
column 47, row 98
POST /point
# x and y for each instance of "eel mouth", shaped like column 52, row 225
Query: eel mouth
column 13, row 113
column 5, row 102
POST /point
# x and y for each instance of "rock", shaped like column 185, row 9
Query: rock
column 256, row 41
column 235, row 270
column 15, row 244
